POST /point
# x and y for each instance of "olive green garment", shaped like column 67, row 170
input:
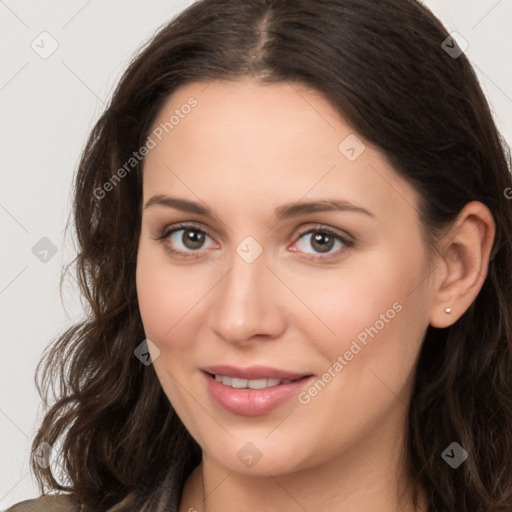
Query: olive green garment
column 164, row 498
column 60, row 503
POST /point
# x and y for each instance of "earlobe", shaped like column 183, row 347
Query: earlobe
column 464, row 260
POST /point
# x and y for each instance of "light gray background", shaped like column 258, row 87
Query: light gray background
column 48, row 107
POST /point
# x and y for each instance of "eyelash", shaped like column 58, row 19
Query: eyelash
column 347, row 242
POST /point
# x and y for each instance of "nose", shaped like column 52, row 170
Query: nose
column 246, row 303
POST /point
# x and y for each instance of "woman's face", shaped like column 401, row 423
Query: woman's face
column 290, row 251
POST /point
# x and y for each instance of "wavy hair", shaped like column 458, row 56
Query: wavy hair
column 384, row 67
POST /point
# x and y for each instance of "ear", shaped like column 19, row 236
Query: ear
column 462, row 263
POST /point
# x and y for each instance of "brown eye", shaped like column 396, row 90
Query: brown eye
column 187, row 239
column 192, row 239
column 321, row 241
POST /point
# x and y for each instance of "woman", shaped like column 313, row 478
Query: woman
column 295, row 240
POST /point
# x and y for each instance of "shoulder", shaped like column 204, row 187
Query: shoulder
column 49, row 503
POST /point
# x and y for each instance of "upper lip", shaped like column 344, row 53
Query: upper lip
column 253, row 372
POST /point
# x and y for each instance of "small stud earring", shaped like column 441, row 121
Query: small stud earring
column 447, row 310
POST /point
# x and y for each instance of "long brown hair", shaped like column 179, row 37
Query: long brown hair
column 384, row 66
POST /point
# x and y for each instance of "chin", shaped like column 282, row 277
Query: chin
column 256, row 456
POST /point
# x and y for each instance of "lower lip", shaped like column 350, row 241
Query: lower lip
column 252, row 402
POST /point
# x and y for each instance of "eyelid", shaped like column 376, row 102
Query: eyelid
column 342, row 235
column 346, row 239
column 182, row 225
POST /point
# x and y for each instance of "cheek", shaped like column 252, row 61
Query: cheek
column 368, row 362
column 169, row 299
column 167, row 296
column 348, row 300
column 372, row 311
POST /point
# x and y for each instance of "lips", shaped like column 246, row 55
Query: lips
column 252, row 391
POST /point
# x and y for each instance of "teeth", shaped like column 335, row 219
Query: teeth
column 262, row 383
column 236, row 383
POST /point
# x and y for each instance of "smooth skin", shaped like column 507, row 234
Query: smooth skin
column 246, row 150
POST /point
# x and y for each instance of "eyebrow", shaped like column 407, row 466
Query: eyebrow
column 283, row 212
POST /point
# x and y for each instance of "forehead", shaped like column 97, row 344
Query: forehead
column 261, row 145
